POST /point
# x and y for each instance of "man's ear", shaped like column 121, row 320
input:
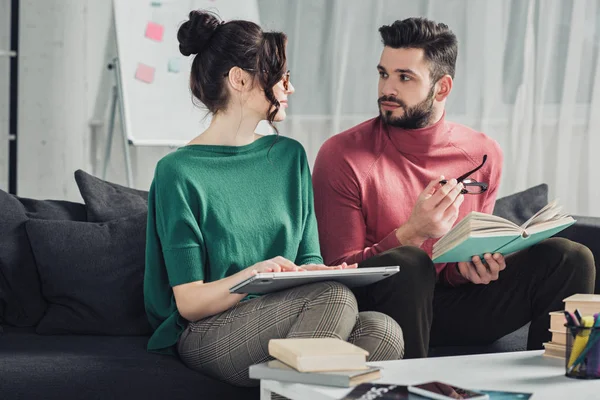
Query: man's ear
column 238, row 79
column 444, row 87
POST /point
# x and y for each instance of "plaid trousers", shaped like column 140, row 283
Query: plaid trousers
column 225, row 345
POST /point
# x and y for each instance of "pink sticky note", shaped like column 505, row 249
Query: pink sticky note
column 144, row 73
column 155, row 31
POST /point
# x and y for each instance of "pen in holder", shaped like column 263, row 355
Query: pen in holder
column 583, row 352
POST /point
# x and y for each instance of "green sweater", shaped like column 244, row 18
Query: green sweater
column 215, row 210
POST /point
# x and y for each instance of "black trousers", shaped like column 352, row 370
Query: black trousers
column 534, row 283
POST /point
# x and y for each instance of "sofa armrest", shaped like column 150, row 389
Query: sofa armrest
column 587, row 232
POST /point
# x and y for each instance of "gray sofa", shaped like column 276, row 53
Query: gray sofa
column 71, row 301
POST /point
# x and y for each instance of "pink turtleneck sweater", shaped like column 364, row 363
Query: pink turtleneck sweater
column 367, row 179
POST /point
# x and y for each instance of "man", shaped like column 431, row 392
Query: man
column 379, row 201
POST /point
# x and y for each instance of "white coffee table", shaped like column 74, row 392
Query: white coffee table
column 526, row 371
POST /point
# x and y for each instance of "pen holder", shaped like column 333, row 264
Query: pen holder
column 583, row 353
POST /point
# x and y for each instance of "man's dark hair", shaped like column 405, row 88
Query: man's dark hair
column 436, row 39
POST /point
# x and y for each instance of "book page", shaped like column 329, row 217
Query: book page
column 492, row 221
column 476, row 224
column 480, row 223
column 548, row 212
column 550, row 224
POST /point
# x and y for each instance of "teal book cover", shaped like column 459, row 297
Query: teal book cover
column 522, row 242
column 474, row 245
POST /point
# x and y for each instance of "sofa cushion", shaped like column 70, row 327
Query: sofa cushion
column 100, row 367
column 521, row 206
column 91, row 275
column 106, row 201
column 21, row 301
column 53, row 209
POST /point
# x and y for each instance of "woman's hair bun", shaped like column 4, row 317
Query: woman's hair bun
column 195, row 33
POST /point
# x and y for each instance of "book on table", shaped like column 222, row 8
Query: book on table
column 557, row 321
column 558, row 344
column 554, row 350
column 372, row 391
column 318, row 354
column 379, row 391
column 587, row 304
column 559, row 337
column 278, row 371
column 480, row 233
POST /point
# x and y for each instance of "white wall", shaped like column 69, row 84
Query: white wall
column 4, row 91
column 64, row 84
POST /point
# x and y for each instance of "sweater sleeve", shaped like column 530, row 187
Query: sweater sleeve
column 177, row 227
column 450, row 273
column 309, row 251
column 342, row 228
column 494, row 181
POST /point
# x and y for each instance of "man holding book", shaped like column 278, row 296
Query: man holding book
column 389, row 188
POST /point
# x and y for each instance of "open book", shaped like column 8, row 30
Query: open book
column 480, row 233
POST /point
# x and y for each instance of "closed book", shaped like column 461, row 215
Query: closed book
column 559, row 337
column 318, row 354
column 554, row 350
column 557, row 321
column 278, row 371
column 480, row 233
column 587, row 304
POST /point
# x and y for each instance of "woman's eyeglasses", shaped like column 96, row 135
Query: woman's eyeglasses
column 471, row 186
column 286, row 80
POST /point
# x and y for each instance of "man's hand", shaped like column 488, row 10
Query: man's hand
column 434, row 213
column 480, row 273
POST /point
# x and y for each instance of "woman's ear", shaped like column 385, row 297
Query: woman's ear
column 238, row 79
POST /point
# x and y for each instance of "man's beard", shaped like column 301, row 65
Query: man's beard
column 415, row 117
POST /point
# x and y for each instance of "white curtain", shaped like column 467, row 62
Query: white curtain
column 528, row 75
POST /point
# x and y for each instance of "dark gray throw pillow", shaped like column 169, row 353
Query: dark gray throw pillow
column 53, row 209
column 106, row 201
column 521, row 206
column 21, row 301
column 91, row 275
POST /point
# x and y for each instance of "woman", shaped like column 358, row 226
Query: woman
column 231, row 204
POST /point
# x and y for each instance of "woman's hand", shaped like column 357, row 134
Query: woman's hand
column 321, row 267
column 277, row 264
column 280, row 264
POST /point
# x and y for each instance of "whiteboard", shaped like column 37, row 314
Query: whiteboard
column 154, row 76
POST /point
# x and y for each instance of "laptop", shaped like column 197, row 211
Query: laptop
column 268, row 282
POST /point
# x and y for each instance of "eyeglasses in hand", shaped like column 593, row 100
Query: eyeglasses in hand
column 471, row 186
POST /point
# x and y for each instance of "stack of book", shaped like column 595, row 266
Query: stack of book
column 557, row 347
column 330, row 362
column 585, row 304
